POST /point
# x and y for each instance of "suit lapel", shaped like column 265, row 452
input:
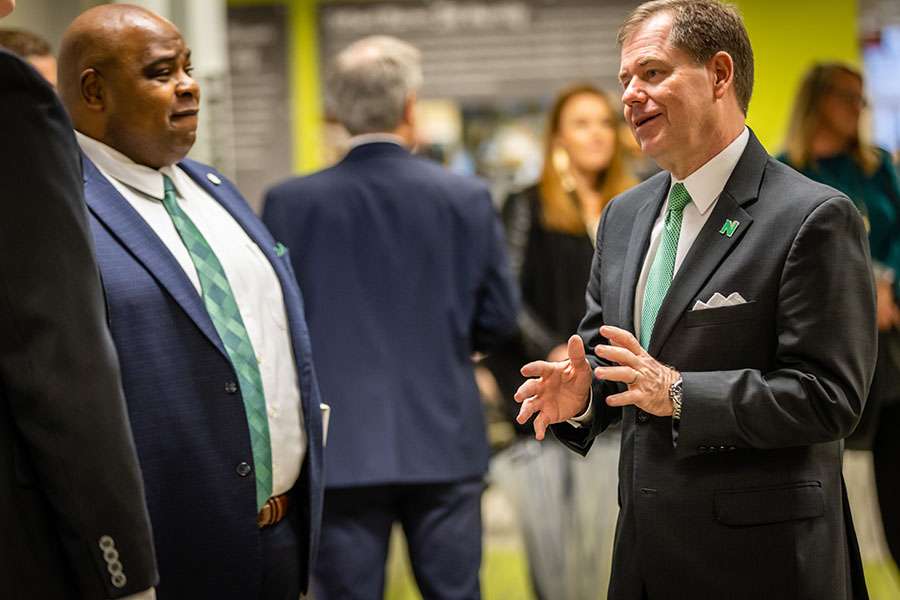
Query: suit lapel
column 637, row 249
column 712, row 247
column 126, row 225
column 234, row 203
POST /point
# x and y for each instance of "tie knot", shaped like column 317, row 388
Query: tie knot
column 678, row 198
column 168, row 186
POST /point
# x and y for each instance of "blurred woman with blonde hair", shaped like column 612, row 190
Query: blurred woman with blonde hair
column 567, row 518
column 824, row 143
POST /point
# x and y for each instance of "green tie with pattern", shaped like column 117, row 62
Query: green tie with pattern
column 223, row 310
column 663, row 267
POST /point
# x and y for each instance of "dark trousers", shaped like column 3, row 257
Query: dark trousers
column 281, row 562
column 886, row 457
column 442, row 524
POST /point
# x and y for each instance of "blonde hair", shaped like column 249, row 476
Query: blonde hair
column 806, row 118
column 561, row 210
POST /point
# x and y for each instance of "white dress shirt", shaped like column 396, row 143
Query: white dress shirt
column 256, row 289
column 704, row 185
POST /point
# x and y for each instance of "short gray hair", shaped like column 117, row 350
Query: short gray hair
column 370, row 81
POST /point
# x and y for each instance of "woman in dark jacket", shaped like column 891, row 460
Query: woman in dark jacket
column 568, row 509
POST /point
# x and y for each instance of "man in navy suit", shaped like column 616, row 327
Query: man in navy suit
column 405, row 274
column 207, row 319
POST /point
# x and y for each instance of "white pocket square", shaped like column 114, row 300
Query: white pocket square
column 717, row 300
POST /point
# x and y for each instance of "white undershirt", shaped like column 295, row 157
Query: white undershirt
column 253, row 281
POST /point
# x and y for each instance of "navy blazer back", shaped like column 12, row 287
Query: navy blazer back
column 187, row 415
column 404, row 274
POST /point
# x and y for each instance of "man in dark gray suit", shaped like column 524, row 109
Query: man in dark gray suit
column 753, row 283
column 73, row 522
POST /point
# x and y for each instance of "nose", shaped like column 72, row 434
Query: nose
column 633, row 93
column 187, row 86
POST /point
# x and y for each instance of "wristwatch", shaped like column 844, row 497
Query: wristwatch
column 675, row 392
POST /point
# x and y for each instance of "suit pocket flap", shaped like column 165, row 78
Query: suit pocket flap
column 761, row 506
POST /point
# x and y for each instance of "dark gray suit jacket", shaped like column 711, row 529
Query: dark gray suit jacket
column 69, row 478
column 749, row 502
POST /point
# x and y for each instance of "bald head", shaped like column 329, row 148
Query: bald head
column 124, row 77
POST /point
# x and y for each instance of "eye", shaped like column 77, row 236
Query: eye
column 189, row 70
column 651, row 73
column 161, row 74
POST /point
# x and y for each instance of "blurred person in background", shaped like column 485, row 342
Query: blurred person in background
column 33, row 49
column 405, row 275
column 73, row 521
column 559, row 494
column 824, row 143
column 206, row 317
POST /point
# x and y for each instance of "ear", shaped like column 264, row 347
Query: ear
column 721, row 70
column 409, row 110
column 93, row 90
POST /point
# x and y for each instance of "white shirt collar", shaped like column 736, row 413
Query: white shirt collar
column 372, row 138
column 706, row 183
column 118, row 166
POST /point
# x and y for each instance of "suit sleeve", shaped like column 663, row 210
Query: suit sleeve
column 58, row 367
column 580, row 439
column 826, row 338
column 497, row 302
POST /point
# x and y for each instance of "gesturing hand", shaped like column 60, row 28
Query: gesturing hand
column 559, row 392
column 648, row 380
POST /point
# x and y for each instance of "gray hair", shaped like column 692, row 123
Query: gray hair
column 370, row 81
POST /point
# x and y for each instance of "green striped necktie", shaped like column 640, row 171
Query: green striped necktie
column 663, row 267
column 223, row 310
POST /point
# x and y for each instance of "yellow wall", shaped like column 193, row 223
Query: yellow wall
column 788, row 36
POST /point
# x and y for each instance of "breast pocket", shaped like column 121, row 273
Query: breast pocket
column 723, row 314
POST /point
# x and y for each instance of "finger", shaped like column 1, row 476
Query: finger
column 576, row 350
column 623, row 356
column 622, row 338
column 541, row 423
column 530, row 388
column 625, row 398
column 538, row 368
column 623, row 374
column 529, row 407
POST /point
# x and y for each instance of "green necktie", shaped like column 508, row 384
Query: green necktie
column 223, row 310
column 663, row 267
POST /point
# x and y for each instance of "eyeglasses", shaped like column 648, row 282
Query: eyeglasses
column 849, row 98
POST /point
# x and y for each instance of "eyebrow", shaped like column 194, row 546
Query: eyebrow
column 171, row 57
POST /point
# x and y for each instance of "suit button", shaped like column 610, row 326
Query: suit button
column 231, row 387
column 243, row 469
column 702, row 448
column 731, row 448
column 642, row 417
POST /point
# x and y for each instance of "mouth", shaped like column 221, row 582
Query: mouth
column 643, row 120
column 185, row 114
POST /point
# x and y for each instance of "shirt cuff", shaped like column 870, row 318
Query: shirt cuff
column 585, row 418
column 145, row 595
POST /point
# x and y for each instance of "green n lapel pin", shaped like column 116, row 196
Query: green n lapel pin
column 280, row 249
column 729, row 227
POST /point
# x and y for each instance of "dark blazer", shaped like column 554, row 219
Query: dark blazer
column 186, row 411
column 749, row 503
column 68, row 470
column 405, row 275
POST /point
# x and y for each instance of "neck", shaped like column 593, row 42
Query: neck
column 683, row 166
column 826, row 143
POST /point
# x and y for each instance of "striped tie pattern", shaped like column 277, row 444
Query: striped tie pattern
column 661, row 271
column 224, row 313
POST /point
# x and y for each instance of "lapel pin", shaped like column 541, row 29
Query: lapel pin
column 280, row 249
column 729, row 227
column 213, row 178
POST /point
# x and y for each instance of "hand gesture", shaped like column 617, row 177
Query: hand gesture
column 559, row 390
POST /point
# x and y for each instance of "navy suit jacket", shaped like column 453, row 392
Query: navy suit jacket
column 404, row 269
column 186, row 413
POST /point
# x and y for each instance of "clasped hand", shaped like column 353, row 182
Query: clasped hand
column 558, row 391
